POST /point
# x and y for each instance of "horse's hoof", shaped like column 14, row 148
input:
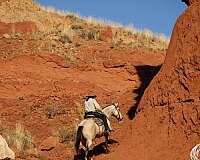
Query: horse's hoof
column 89, row 158
column 107, row 151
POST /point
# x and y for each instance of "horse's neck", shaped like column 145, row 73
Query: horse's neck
column 108, row 111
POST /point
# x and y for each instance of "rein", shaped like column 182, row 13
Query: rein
column 118, row 118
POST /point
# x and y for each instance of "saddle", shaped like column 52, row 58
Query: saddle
column 98, row 121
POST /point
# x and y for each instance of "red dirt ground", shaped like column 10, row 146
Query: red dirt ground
column 30, row 83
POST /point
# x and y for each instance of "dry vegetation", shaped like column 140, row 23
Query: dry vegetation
column 60, row 30
column 18, row 139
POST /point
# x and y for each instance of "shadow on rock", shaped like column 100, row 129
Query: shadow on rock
column 146, row 74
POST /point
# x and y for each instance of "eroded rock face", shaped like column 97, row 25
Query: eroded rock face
column 169, row 115
column 190, row 2
column 167, row 125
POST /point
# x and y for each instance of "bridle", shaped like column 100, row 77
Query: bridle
column 117, row 108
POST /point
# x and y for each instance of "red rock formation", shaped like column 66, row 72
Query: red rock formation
column 171, row 104
column 190, row 2
column 168, row 123
column 106, row 34
column 18, row 27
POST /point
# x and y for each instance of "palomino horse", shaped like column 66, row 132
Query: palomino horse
column 88, row 130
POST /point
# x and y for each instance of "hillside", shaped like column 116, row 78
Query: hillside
column 50, row 60
column 55, row 26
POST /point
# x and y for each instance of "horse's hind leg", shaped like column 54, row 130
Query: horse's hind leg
column 106, row 143
column 84, row 144
column 88, row 144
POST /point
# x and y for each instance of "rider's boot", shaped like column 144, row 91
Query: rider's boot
column 107, row 131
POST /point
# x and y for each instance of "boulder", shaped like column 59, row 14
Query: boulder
column 113, row 63
column 5, row 151
column 49, row 143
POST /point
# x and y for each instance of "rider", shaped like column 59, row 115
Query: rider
column 94, row 109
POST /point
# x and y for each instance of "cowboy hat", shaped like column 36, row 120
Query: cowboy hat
column 91, row 95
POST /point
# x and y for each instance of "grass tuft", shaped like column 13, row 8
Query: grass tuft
column 20, row 138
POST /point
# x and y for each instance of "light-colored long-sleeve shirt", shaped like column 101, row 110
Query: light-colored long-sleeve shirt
column 91, row 105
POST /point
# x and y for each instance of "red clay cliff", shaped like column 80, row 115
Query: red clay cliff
column 167, row 125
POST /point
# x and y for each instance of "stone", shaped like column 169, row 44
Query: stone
column 5, row 151
column 113, row 64
column 49, row 144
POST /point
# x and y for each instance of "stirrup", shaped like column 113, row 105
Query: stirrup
column 107, row 132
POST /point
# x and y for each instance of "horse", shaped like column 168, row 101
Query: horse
column 88, row 130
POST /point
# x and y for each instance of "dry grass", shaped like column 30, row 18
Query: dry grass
column 91, row 34
column 147, row 39
column 69, row 56
column 51, row 22
column 67, row 35
column 20, row 138
column 3, row 128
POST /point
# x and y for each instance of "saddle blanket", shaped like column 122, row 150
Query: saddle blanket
column 98, row 121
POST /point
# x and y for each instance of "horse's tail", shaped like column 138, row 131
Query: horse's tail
column 78, row 139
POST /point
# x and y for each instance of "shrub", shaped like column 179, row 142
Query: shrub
column 91, row 35
column 69, row 56
column 76, row 26
column 51, row 112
